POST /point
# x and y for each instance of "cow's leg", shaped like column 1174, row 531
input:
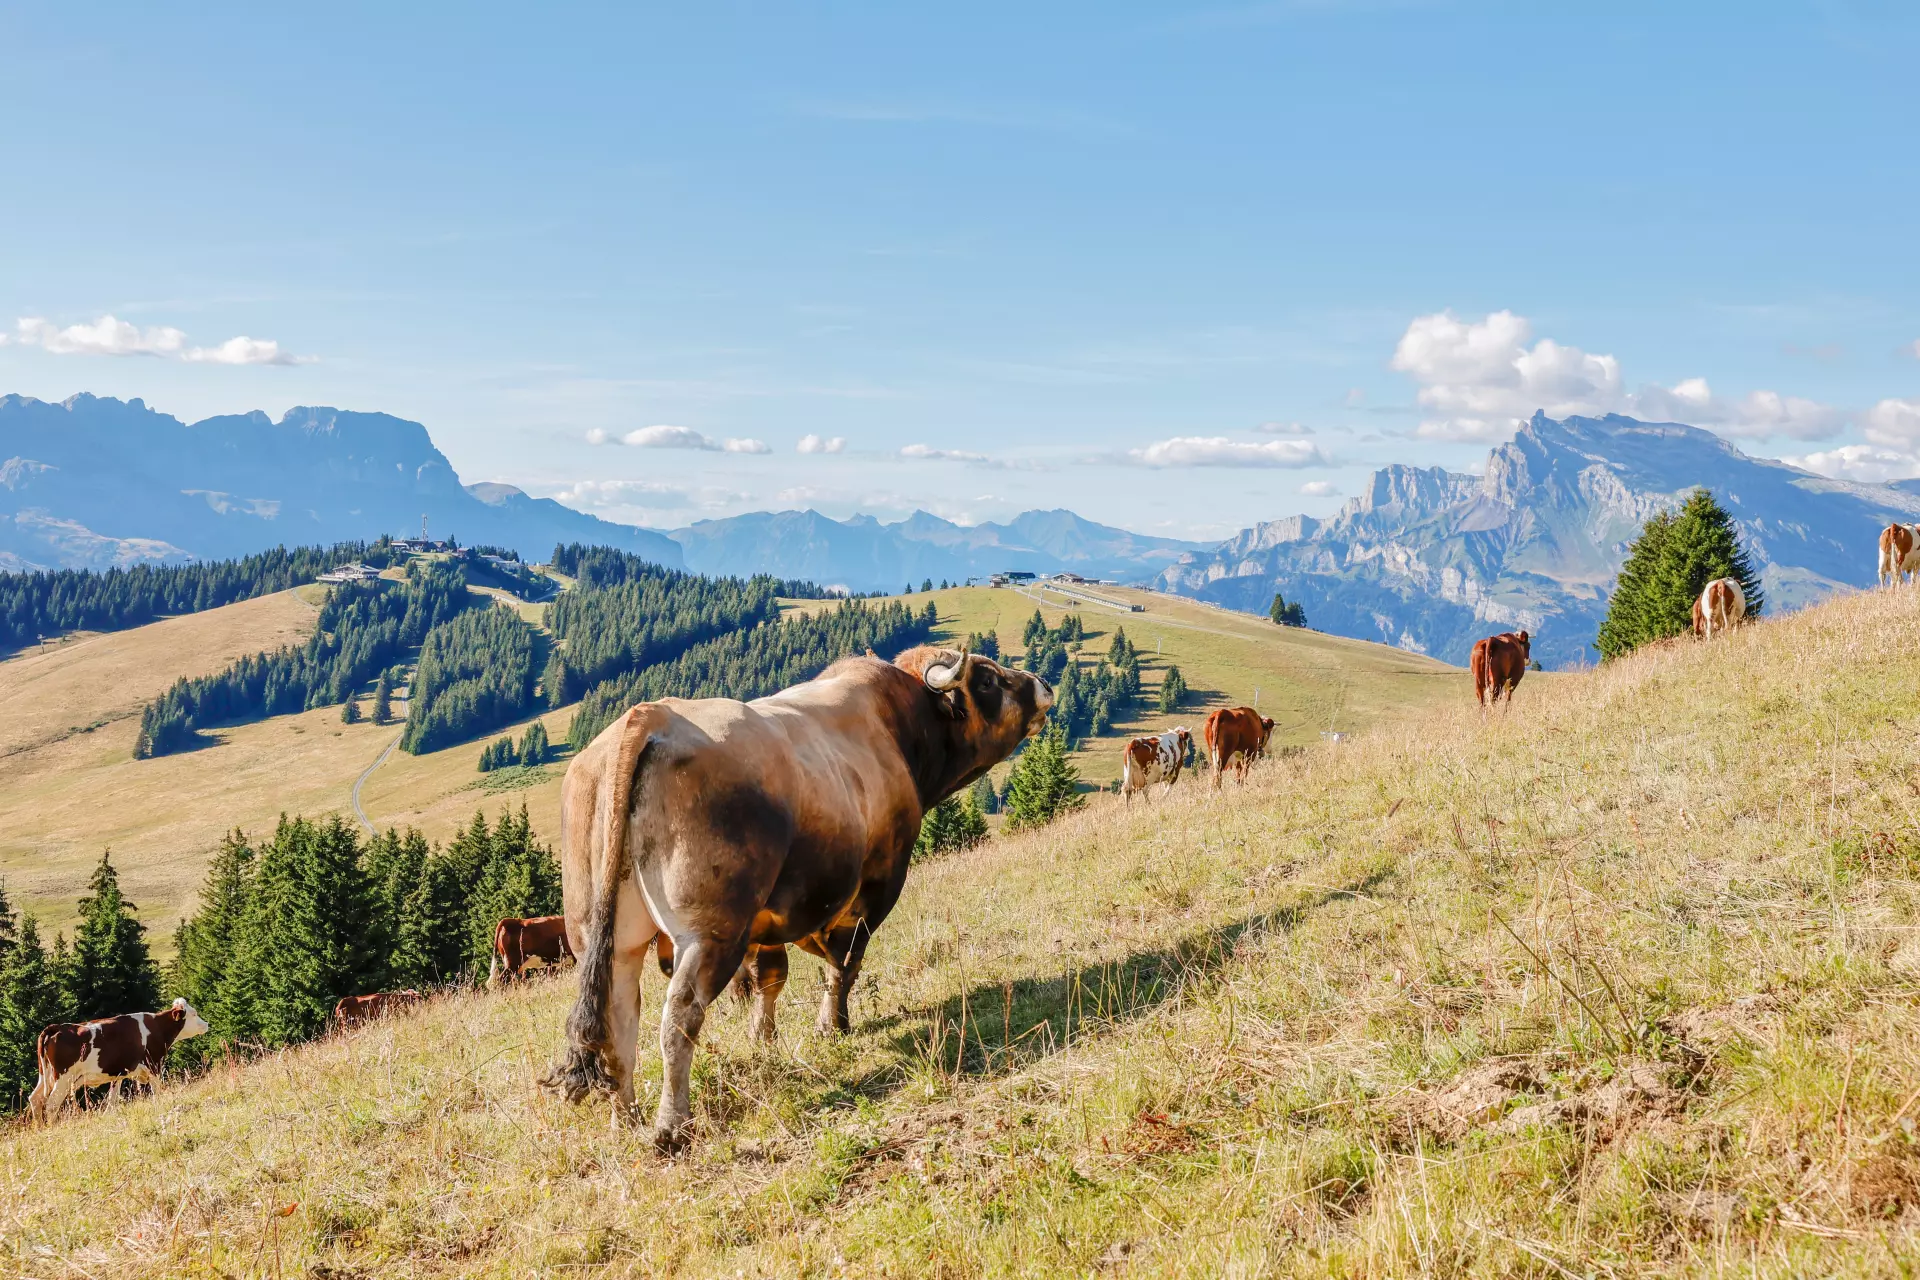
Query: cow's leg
column 769, row 978
column 702, row 967
column 41, row 1104
column 623, row 1027
column 842, row 947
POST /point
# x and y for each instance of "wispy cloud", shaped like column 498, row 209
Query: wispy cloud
column 1283, row 429
column 1220, row 451
column 1319, row 489
column 811, row 443
column 111, row 336
column 669, row 437
column 929, row 453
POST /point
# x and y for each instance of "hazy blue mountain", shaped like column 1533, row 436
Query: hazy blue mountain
column 1432, row 560
column 862, row 554
column 93, row 482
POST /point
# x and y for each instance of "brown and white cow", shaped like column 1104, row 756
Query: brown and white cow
column 1155, row 759
column 739, row 828
column 1721, row 606
column 517, row 943
column 1899, row 553
column 128, row 1046
column 1497, row 664
column 1236, row 733
column 351, row 1011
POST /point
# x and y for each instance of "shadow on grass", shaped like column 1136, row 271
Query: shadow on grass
column 995, row 1029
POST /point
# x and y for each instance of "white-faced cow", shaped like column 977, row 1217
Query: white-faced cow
column 1899, row 553
column 1721, row 606
column 1156, row 759
column 737, row 828
column 519, row 942
column 129, row 1046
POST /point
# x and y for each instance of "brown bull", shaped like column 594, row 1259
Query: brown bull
column 517, row 942
column 1236, row 737
column 1497, row 664
column 351, row 1011
column 736, row 828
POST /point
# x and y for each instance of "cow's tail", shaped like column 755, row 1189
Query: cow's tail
column 585, row 1066
column 47, row 1078
column 1478, row 664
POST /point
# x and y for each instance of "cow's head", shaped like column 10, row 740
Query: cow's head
column 990, row 708
column 191, row 1023
column 1526, row 645
column 1266, row 731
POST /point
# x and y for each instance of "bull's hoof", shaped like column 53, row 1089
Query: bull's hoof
column 671, row 1140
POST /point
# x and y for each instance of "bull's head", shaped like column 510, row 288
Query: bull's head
column 1526, row 645
column 990, row 707
column 192, row 1024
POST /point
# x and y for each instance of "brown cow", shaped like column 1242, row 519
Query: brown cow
column 129, row 1046
column 1899, row 553
column 1156, row 759
column 517, row 942
column 1498, row 663
column 351, row 1011
column 739, row 828
column 1236, row 731
column 1722, row 605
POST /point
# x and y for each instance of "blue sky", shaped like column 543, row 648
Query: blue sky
column 1179, row 268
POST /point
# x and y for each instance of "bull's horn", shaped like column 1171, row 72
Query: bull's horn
column 940, row 679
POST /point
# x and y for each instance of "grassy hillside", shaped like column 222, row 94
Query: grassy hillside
column 1621, row 983
column 167, row 815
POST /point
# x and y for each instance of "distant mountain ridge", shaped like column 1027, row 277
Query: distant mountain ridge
column 92, row 482
column 862, row 554
column 1431, row 559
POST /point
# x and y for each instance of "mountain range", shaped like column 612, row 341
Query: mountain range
column 1424, row 558
column 1431, row 559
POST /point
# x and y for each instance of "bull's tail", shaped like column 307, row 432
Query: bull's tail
column 48, row 1077
column 1477, row 664
column 585, row 1067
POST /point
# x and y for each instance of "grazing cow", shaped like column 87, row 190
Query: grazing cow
column 1234, row 732
column 351, row 1011
column 1722, row 604
column 738, row 828
column 1150, row 760
column 1498, row 663
column 1899, row 553
column 129, row 1046
column 518, row 942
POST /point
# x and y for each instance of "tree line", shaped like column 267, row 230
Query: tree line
column 476, row 673
column 363, row 628
column 635, row 614
column 752, row 664
column 52, row 602
column 597, row 566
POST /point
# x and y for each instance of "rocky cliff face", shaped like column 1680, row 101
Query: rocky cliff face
column 92, row 482
column 1432, row 560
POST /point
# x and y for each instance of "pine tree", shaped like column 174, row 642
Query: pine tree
column 1035, row 631
column 383, row 700
column 9, row 924
column 112, row 970
column 1173, row 690
column 207, row 944
column 312, row 934
column 984, row 797
column 31, row 999
column 1044, row 784
column 533, row 746
column 927, row 585
column 1669, row 564
column 954, row 823
column 350, row 710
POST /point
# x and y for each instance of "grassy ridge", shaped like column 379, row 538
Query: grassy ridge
column 1622, row 983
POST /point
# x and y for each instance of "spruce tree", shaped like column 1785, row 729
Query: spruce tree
column 112, row 970
column 1669, row 564
column 1173, row 690
column 1628, row 623
column 9, row 924
column 1035, row 631
column 984, row 797
column 533, row 745
column 383, row 700
column 1044, row 784
column 31, row 999
column 207, row 944
column 312, row 934
column 350, row 710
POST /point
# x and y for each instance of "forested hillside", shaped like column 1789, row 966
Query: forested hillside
column 363, row 628
column 36, row 605
column 476, row 673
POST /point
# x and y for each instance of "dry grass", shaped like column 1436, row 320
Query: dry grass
column 1620, row 984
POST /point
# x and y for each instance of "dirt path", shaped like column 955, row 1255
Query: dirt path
column 361, row 781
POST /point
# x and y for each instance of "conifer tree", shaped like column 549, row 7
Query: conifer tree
column 9, row 924
column 350, row 710
column 1173, row 690
column 533, row 745
column 1035, row 631
column 312, row 934
column 985, row 798
column 1044, row 784
column 112, row 970
column 383, row 700
column 1669, row 564
column 207, row 943
column 30, row 1000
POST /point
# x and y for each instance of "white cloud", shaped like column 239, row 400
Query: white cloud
column 666, row 437
column 818, row 444
column 1478, row 379
column 1895, row 423
column 623, row 493
column 1319, row 489
column 927, row 451
column 111, row 336
column 1284, row 429
column 244, row 350
column 1859, row 462
column 1219, row 451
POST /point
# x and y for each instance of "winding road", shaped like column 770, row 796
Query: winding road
column 361, row 781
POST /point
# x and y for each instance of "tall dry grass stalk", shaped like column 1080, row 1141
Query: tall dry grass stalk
column 1620, row 983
